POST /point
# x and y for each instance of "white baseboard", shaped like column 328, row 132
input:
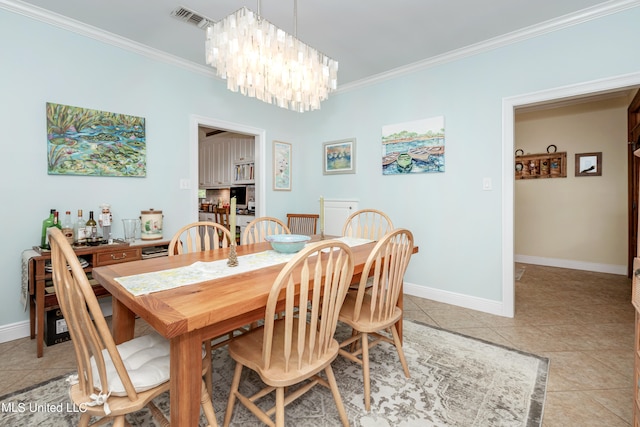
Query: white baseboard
column 14, row 331
column 460, row 300
column 574, row 265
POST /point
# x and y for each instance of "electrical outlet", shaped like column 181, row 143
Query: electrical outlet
column 185, row 184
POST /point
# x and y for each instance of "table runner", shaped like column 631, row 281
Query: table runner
column 146, row 283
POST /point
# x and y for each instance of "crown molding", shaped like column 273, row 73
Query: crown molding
column 552, row 25
column 101, row 35
column 546, row 27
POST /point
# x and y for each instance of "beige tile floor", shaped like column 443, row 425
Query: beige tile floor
column 582, row 321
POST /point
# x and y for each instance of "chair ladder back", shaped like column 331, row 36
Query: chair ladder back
column 87, row 327
column 386, row 265
column 310, row 318
column 259, row 228
column 199, row 236
column 222, row 216
column 367, row 224
column 306, row 224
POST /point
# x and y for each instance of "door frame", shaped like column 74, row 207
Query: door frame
column 633, row 130
column 260, row 155
column 509, row 105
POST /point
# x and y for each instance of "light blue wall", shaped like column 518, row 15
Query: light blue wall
column 456, row 224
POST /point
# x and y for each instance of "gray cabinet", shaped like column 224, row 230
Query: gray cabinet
column 225, row 161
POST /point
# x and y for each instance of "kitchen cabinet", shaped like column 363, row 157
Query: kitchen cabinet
column 225, row 161
column 221, row 163
column 205, row 162
column 243, row 220
column 214, row 164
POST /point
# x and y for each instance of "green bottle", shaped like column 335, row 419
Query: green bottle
column 48, row 222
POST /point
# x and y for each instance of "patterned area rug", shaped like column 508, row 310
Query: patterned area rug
column 455, row 381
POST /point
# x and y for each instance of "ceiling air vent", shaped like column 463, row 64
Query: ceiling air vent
column 190, row 16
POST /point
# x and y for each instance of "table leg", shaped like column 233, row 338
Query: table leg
column 186, row 379
column 123, row 322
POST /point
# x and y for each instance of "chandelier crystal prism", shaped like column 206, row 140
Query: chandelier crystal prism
column 262, row 61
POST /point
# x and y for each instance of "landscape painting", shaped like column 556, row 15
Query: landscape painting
column 413, row 147
column 81, row 141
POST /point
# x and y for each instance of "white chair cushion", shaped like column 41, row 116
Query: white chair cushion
column 146, row 359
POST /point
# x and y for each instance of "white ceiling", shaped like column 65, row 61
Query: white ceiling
column 367, row 37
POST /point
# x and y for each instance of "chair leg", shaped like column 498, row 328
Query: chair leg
column 232, row 394
column 280, row 407
column 157, row 415
column 365, row 371
column 84, row 420
column 207, row 406
column 398, row 344
column 336, row 395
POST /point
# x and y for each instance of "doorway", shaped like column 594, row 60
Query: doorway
column 259, row 136
column 509, row 106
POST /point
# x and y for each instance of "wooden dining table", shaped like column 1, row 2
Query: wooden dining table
column 189, row 315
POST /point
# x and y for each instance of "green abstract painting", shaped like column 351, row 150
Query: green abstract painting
column 81, row 141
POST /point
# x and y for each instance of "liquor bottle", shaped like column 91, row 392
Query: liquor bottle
column 67, row 227
column 79, row 230
column 48, row 222
column 56, row 220
column 92, row 229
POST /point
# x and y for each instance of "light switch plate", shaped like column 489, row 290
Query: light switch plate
column 486, row 184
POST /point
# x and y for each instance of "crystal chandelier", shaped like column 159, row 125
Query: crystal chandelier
column 262, row 61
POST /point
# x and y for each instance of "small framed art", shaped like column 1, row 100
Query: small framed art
column 339, row 157
column 281, row 166
column 589, row 164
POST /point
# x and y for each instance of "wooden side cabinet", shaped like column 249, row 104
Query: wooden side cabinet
column 42, row 297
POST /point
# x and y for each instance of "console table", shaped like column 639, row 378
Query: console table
column 41, row 296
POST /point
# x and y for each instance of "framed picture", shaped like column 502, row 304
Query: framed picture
column 413, row 147
column 281, row 166
column 589, row 164
column 82, row 141
column 339, row 156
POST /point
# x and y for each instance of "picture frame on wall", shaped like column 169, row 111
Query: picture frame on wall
column 88, row 142
column 589, row 164
column 281, row 166
column 339, row 157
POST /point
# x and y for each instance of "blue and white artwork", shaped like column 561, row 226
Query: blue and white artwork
column 413, row 147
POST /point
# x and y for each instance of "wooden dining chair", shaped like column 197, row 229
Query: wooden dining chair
column 112, row 380
column 261, row 227
column 199, row 236
column 306, row 224
column 374, row 307
column 295, row 348
column 369, row 224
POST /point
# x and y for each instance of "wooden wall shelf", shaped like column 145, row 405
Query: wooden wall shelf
column 547, row 165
